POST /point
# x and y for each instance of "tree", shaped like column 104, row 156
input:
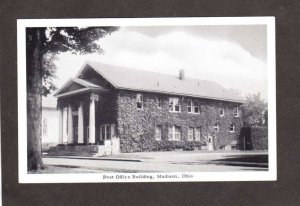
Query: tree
column 266, row 118
column 255, row 111
column 48, row 73
column 42, row 44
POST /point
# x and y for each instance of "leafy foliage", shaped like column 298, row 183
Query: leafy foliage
column 255, row 111
column 55, row 40
column 259, row 138
column 74, row 39
column 48, row 74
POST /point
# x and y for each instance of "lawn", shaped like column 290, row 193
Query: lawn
column 57, row 169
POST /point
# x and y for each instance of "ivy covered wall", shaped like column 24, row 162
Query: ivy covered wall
column 136, row 127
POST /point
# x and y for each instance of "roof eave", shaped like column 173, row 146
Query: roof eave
column 63, row 86
column 80, row 91
column 182, row 94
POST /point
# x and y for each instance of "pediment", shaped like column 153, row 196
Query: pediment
column 73, row 86
column 76, row 85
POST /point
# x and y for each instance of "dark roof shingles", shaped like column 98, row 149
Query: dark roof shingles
column 133, row 79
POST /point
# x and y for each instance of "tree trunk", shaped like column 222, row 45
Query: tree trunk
column 34, row 99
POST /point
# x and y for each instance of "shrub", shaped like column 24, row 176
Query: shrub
column 259, row 138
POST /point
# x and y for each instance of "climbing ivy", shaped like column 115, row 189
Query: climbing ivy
column 136, row 127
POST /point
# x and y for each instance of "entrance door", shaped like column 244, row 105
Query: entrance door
column 108, row 136
column 246, row 138
column 248, row 142
column 210, row 143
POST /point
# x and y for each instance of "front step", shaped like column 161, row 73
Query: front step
column 71, row 154
column 78, row 150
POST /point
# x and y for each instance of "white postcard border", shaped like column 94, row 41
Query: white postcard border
column 269, row 175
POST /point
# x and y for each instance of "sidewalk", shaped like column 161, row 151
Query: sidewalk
column 170, row 155
column 173, row 161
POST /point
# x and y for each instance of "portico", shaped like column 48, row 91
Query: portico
column 79, row 130
column 79, row 104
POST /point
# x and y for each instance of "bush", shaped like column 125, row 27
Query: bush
column 259, row 138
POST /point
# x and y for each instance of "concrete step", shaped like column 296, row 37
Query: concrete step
column 63, row 153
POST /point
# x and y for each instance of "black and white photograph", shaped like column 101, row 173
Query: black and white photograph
column 147, row 100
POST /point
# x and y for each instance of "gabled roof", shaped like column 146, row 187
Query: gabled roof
column 85, row 86
column 138, row 80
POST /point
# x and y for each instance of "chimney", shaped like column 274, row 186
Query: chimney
column 181, row 74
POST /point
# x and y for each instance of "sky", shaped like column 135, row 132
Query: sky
column 233, row 56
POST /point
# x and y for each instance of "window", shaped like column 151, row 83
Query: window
column 232, row 128
column 105, row 132
column 45, row 126
column 157, row 132
column 236, row 111
column 197, row 133
column 177, row 133
column 174, row 133
column 159, row 102
column 196, row 107
column 191, row 134
column 222, row 112
column 217, row 127
column 189, row 106
column 102, row 128
column 139, row 101
column 193, row 106
column 174, row 104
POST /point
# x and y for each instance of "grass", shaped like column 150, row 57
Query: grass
column 247, row 158
column 56, row 169
column 64, row 169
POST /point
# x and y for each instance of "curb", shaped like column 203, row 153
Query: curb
column 95, row 158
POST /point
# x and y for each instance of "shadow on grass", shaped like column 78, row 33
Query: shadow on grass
column 243, row 160
column 253, row 161
column 261, row 158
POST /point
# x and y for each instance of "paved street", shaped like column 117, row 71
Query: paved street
column 173, row 161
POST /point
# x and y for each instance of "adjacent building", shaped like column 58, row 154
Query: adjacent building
column 50, row 123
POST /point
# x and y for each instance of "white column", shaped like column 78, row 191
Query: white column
column 70, row 125
column 60, row 125
column 80, row 123
column 65, row 124
column 92, row 133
